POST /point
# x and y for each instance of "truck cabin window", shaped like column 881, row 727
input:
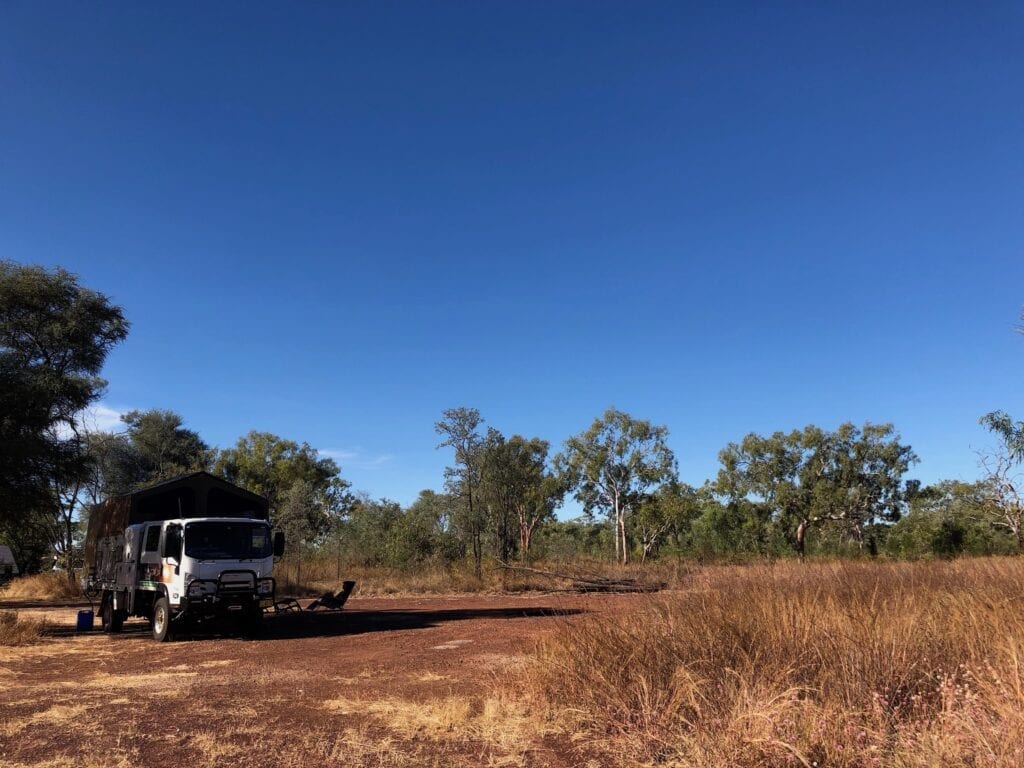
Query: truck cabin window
column 227, row 541
column 152, row 539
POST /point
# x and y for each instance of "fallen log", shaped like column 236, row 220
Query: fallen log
column 591, row 583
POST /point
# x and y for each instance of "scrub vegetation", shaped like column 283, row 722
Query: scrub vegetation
column 17, row 630
column 838, row 664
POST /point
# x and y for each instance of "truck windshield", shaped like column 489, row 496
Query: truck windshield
column 227, row 541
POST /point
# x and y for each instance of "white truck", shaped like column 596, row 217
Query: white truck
column 183, row 553
column 8, row 566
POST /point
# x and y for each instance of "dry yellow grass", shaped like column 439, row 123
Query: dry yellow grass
column 503, row 721
column 151, row 681
column 42, row 586
column 850, row 665
column 17, row 630
column 55, row 716
column 319, row 577
column 391, row 581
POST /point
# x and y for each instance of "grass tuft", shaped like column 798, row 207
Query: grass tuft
column 15, row 630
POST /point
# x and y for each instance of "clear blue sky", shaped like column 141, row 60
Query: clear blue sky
column 332, row 221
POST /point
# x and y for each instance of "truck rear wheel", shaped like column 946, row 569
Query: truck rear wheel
column 110, row 619
column 162, row 621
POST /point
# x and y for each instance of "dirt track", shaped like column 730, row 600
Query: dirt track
column 411, row 681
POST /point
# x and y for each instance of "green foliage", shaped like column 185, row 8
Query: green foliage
column 381, row 533
column 734, row 529
column 155, row 446
column 162, row 447
column 517, row 490
column 844, row 480
column 428, row 526
column 1009, row 431
column 948, row 519
column 569, row 540
column 668, row 513
column 54, row 338
column 278, row 469
column 114, row 466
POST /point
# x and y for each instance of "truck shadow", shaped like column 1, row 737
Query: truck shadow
column 291, row 626
column 307, row 624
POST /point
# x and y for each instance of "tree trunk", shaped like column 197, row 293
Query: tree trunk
column 801, row 535
column 69, row 547
column 477, row 543
column 525, row 536
column 477, row 554
column 622, row 533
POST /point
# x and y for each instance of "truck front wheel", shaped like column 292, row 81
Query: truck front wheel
column 162, row 621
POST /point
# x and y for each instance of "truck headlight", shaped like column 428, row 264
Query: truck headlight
column 265, row 587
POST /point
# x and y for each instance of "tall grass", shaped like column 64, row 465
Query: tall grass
column 847, row 665
column 42, row 586
column 15, row 630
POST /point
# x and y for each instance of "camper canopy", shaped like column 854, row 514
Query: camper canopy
column 198, row 494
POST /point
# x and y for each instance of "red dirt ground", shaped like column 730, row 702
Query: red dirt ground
column 389, row 681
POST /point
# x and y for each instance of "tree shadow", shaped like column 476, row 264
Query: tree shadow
column 308, row 624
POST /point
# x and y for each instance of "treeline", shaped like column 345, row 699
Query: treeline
column 807, row 492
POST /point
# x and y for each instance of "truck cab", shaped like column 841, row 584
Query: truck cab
column 213, row 561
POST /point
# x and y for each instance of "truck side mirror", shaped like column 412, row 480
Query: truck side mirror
column 170, row 544
column 278, row 543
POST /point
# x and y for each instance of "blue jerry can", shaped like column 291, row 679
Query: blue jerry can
column 85, row 621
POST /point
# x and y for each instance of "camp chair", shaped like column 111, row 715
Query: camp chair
column 333, row 601
column 287, row 605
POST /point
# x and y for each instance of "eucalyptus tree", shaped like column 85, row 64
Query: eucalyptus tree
column 613, row 465
column 460, row 428
column 280, row 469
column 1009, row 432
column 162, row 446
column 55, row 336
column 851, row 477
column 518, row 489
column 1003, row 476
column 669, row 510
